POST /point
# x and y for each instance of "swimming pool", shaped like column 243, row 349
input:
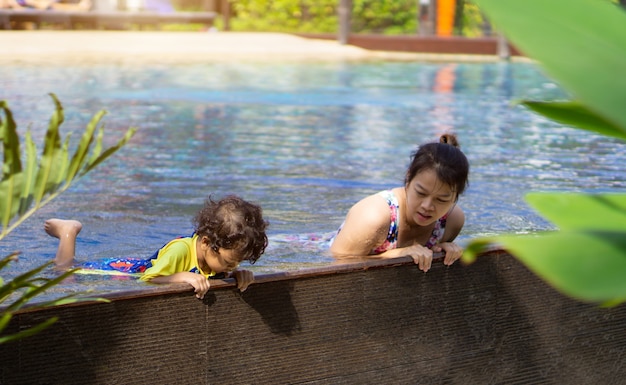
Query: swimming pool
column 305, row 141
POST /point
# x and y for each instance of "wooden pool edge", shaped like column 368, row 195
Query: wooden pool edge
column 365, row 322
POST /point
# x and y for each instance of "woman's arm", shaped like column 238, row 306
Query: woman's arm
column 454, row 224
column 365, row 228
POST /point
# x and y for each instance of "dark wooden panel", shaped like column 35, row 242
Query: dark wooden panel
column 492, row 322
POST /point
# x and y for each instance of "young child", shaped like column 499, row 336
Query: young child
column 227, row 232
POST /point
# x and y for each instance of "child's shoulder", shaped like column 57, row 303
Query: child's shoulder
column 180, row 245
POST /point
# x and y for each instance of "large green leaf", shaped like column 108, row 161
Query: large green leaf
column 576, row 115
column 593, row 273
column 580, row 43
column 570, row 211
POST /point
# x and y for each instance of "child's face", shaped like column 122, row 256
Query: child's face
column 225, row 260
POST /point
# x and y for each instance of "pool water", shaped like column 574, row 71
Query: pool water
column 306, row 141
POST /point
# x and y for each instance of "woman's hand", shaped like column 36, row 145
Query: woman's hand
column 244, row 278
column 452, row 250
column 422, row 256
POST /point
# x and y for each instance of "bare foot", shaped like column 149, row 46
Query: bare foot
column 67, row 228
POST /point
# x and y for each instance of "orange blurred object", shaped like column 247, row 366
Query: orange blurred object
column 445, row 17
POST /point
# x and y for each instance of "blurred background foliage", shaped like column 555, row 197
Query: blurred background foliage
column 387, row 17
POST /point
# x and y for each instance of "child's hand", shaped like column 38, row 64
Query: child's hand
column 244, row 278
column 199, row 283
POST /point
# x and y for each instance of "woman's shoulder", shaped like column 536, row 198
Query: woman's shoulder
column 377, row 200
column 456, row 215
column 373, row 209
column 454, row 223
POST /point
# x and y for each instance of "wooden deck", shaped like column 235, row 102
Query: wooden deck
column 492, row 322
column 101, row 19
column 457, row 45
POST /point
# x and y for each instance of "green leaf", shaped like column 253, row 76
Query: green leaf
column 30, row 173
column 12, row 179
column 571, row 211
column 475, row 248
column 20, row 281
column 83, row 147
column 5, row 318
column 10, row 142
column 575, row 114
column 8, row 259
column 28, row 332
column 52, row 146
column 94, row 161
column 35, row 290
column 95, row 153
column 586, row 265
column 58, row 176
column 10, row 190
column 580, row 43
column 72, row 299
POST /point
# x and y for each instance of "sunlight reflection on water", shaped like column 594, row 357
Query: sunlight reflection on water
column 306, row 141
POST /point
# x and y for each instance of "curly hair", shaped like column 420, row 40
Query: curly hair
column 235, row 224
column 446, row 159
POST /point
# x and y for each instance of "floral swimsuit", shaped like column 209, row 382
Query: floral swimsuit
column 392, row 236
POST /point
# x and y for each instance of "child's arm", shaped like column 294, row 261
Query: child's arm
column 244, row 278
column 198, row 281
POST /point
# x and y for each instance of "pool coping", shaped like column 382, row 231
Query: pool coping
column 344, row 266
column 157, row 47
column 380, row 321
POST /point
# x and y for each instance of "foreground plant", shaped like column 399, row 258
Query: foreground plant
column 25, row 188
column 29, row 285
column 582, row 45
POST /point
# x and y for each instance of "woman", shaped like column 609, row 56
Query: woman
column 417, row 219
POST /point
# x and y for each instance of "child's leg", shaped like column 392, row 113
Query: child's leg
column 66, row 230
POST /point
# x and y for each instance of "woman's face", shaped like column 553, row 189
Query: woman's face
column 427, row 198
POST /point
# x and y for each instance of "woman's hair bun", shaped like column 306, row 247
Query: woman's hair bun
column 449, row 139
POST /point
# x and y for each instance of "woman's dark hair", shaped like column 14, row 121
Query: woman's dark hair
column 232, row 223
column 446, row 159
